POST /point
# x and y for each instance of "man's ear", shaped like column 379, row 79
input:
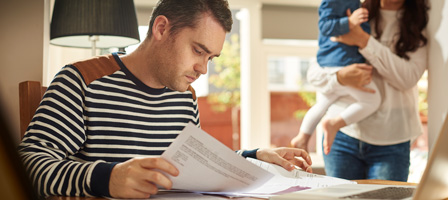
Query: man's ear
column 160, row 27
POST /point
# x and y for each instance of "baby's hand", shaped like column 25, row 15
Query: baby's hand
column 358, row 17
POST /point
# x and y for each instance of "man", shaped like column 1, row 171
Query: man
column 103, row 122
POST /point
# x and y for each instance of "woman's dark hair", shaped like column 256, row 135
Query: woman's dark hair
column 412, row 23
column 186, row 13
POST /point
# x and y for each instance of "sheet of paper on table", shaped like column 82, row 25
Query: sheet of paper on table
column 207, row 165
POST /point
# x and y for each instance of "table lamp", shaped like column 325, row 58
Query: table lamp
column 94, row 24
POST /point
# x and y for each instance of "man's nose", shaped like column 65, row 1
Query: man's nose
column 201, row 67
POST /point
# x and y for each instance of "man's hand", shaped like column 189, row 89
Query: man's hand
column 286, row 157
column 357, row 76
column 358, row 17
column 139, row 177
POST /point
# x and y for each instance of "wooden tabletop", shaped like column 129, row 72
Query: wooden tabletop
column 383, row 182
column 370, row 181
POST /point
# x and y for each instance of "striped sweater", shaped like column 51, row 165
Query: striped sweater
column 95, row 114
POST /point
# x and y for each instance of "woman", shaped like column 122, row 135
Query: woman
column 378, row 147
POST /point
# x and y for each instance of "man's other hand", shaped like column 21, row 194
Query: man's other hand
column 288, row 158
column 139, row 177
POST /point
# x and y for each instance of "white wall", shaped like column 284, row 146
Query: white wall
column 58, row 57
column 438, row 67
column 289, row 22
column 24, row 41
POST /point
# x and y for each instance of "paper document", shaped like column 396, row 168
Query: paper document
column 295, row 179
column 285, row 181
column 207, row 165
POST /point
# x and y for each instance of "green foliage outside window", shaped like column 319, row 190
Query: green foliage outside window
column 227, row 66
column 310, row 99
column 422, row 102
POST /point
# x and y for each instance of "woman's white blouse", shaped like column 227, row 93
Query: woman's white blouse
column 397, row 120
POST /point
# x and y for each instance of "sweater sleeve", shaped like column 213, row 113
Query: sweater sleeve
column 400, row 73
column 55, row 133
column 330, row 24
column 248, row 153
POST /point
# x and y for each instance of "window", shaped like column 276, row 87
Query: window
column 288, row 73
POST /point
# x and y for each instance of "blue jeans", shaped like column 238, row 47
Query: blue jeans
column 352, row 159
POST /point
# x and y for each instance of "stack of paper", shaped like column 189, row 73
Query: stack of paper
column 206, row 165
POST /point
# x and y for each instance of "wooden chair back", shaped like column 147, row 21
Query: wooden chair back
column 30, row 95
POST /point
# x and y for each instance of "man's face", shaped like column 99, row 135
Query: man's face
column 185, row 55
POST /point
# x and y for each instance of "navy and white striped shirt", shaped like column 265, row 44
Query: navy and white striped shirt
column 94, row 114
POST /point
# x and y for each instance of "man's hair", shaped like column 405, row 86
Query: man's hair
column 186, row 13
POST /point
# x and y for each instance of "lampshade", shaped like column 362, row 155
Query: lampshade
column 114, row 22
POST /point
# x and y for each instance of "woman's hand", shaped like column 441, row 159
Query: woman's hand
column 356, row 75
column 356, row 36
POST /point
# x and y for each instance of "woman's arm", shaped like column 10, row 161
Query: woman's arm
column 355, row 75
column 402, row 74
column 398, row 72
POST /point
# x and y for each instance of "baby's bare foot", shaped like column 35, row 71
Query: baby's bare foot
column 331, row 128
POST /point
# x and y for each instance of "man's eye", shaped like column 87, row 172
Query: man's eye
column 198, row 52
